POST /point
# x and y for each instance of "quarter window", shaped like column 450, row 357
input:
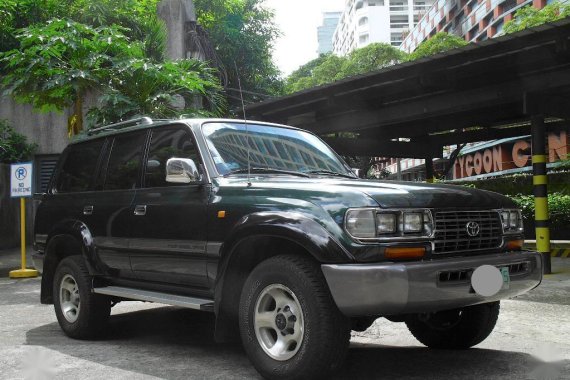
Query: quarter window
column 79, row 167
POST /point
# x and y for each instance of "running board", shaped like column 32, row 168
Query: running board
column 150, row 296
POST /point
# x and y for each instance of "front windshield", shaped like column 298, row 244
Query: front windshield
column 269, row 148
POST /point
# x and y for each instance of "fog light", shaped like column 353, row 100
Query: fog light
column 413, row 222
column 386, row 223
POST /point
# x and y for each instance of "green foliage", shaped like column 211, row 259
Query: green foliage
column 371, row 57
column 439, row 43
column 162, row 90
column 14, row 146
column 558, row 207
column 243, row 33
column 329, row 67
column 59, row 61
column 528, row 16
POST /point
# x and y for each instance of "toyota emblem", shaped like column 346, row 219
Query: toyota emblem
column 472, row 229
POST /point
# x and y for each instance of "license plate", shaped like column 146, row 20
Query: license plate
column 506, row 277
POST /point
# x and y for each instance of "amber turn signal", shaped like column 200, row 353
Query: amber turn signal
column 404, row 252
column 515, row 245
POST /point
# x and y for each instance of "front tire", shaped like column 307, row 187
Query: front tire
column 81, row 313
column 289, row 324
column 455, row 329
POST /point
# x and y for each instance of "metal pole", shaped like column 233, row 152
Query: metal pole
column 540, row 181
column 23, row 231
column 398, row 169
column 429, row 169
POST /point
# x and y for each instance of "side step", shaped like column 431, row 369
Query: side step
column 150, row 296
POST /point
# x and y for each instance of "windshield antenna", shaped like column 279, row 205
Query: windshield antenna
column 245, row 122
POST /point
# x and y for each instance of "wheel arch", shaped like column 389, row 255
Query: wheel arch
column 255, row 239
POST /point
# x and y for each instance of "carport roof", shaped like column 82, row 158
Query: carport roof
column 482, row 91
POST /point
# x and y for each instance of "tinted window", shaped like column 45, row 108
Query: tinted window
column 79, row 167
column 167, row 143
column 125, row 160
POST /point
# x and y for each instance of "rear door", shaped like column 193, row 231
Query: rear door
column 110, row 207
column 168, row 235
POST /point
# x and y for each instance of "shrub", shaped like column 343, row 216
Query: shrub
column 558, row 206
column 14, row 146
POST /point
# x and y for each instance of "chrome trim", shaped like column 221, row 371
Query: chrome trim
column 41, row 238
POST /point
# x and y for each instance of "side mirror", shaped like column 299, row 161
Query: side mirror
column 182, row 170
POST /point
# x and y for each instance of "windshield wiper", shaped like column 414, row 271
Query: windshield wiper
column 328, row 172
column 266, row 170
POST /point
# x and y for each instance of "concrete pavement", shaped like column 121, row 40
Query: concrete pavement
column 147, row 341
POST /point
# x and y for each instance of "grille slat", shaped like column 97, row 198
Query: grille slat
column 451, row 231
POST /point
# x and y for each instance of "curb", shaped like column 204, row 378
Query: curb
column 558, row 249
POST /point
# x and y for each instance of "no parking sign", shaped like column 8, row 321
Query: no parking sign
column 21, row 180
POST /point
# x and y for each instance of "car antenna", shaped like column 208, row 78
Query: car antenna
column 245, row 122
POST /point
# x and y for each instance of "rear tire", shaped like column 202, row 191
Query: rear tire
column 289, row 323
column 81, row 313
column 455, row 329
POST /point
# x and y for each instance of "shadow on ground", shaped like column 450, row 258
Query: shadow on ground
column 175, row 343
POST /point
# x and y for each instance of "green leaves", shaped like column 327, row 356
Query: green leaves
column 14, row 146
column 329, row 67
column 528, row 17
column 439, row 43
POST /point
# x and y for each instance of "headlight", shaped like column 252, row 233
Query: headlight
column 361, row 223
column 512, row 221
column 384, row 224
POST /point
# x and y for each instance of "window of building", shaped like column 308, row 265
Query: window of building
column 379, row 3
column 363, row 21
column 359, row 5
column 363, row 39
column 123, row 169
column 398, row 21
column 80, row 164
column 166, row 143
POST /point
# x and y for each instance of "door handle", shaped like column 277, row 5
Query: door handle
column 140, row 210
column 87, row 210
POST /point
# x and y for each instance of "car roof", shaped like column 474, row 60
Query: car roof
column 125, row 127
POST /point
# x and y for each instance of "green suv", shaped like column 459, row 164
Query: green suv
column 267, row 228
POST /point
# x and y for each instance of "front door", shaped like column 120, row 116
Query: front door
column 168, row 229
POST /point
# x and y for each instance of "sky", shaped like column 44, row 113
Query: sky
column 298, row 21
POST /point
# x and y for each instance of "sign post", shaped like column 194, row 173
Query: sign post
column 21, row 187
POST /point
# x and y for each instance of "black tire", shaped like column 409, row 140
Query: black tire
column 92, row 313
column 455, row 329
column 324, row 344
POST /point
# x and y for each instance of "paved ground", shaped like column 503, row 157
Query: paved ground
column 531, row 341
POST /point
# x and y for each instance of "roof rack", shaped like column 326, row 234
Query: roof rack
column 123, row 124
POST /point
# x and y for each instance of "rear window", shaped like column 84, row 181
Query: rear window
column 78, row 169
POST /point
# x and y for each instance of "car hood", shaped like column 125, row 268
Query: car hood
column 388, row 194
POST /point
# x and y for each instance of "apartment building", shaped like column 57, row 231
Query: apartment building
column 366, row 21
column 325, row 32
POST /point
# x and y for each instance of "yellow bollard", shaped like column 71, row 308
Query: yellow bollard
column 23, row 272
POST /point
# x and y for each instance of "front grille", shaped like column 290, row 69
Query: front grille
column 451, row 231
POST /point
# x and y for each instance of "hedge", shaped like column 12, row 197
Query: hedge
column 559, row 209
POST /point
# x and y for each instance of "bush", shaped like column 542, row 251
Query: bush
column 559, row 210
column 14, row 146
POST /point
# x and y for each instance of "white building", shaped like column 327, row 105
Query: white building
column 366, row 21
column 325, row 32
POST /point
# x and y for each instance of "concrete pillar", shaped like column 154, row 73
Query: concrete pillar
column 176, row 14
column 540, row 180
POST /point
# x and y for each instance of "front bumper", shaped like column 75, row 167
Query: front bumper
column 424, row 286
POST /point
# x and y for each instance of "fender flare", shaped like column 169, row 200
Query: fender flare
column 295, row 227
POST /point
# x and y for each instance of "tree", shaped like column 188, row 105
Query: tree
column 14, row 146
column 372, row 57
column 243, row 33
column 439, row 43
column 303, row 77
column 162, row 90
column 58, row 63
column 528, row 16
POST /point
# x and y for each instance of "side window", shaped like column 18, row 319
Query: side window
column 125, row 160
column 167, row 143
column 79, row 167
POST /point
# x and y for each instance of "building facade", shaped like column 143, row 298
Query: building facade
column 366, row 21
column 474, row 20
column 325, row 32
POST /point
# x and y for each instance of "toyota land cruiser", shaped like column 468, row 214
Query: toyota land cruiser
column 267, row 228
